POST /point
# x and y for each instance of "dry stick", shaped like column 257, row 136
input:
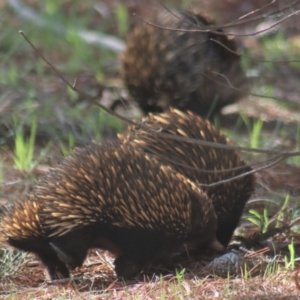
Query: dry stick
column 262, row 200
column 92, row 100
column 242, row 90
column 208, row 29
column 213, row 171
column 238, row 23
column 218, row 32
column 235, row 22
column 275, row 158
column 255, row 59
column 230, row 50
column 241, row 175
column 296, row 278
column 157, row 133
column 273, row 231
column 294, row 222
column 273, row 161
column 253, row 12
column 281, row 155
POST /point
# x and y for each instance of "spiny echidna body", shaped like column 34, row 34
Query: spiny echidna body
column 111, row 197
column 201, row 164
column 188, row 70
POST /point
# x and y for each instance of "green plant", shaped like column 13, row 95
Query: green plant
column 1, row 172
column 254, row 130
column 72, row 94
column 246, row 274
column 282, row 212
column 290, row 261
column 260, row 220
column 271, row 268
column 275, row 47
column 227, row 288
column 121, row 13
column 180, row 275
column 108, row 120
column 10, row 261
column 67, row 149
column 13, row 73
column 98, row 121
column 24, row 147
column 162, row 288
column 296, row 159
column 81, row 53
column 52, row 6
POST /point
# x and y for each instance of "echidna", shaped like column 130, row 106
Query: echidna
column 111, row 197
column 196, row 71
column 201, row 164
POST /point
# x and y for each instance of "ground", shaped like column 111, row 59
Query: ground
column 42, row 120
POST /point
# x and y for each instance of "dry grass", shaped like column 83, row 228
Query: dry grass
column 97, row 281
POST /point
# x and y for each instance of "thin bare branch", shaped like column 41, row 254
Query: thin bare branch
column 92, row 100
column 242, row 175
column 253, row 58
column 208, row 29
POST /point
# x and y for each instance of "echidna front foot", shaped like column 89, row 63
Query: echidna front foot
column 56, row 269
column 64, row 257
column 217, row 246
column 126, row 268
column 72, row 247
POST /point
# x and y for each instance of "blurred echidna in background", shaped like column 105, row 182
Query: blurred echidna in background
column 196, row 71
column 111, row 197
column 201, row 164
